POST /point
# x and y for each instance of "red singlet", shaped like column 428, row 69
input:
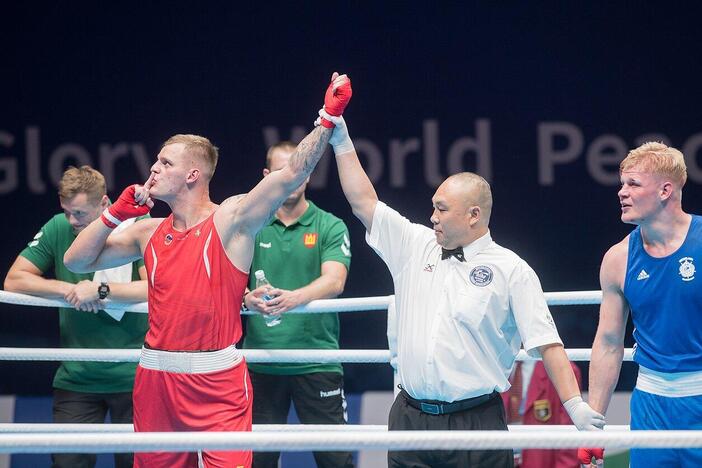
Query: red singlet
column 194, row 290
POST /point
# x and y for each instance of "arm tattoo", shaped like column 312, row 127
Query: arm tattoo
column 310, row 151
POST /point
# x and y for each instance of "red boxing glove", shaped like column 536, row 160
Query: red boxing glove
column 336, row 99
column 124, row 208
column 585, row 455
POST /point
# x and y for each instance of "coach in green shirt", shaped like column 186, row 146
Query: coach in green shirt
column 305, row 253
column 84, row 391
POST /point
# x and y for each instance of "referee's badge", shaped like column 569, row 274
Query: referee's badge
column 542, row 410
column 481, row 276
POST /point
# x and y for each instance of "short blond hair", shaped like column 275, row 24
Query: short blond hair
column 82, row 179
column 200, row 147
column 657, row 158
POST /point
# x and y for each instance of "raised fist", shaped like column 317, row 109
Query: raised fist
column 337, row 97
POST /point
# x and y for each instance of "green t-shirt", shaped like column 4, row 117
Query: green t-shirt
column 292, row 257
column 84, row 329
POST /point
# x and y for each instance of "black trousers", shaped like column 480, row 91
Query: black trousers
column 78, row 407
column 318, row 399
column 490, row 416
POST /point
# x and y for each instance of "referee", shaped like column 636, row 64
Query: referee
column 464, row 307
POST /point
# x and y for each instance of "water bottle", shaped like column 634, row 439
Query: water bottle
column 271, row 320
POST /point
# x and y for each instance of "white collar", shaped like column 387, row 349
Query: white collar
column 477, row 246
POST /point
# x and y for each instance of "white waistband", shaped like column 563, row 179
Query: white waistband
column 669, row 384
column 183, row 362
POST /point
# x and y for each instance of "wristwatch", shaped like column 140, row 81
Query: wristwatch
column 103, row 290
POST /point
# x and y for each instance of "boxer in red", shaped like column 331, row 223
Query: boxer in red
column 190, row 375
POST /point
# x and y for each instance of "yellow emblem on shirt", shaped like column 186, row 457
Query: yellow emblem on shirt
column 310, row 239
column 542, row 410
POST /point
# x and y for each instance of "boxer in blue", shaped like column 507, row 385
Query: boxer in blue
column 652, row 272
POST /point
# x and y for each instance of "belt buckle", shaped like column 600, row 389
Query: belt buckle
column 430, row 408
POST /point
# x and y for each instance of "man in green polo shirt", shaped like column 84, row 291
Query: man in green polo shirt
column 305, row 254
column 85, row 391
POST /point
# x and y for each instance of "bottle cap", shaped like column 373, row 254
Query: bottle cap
column 259, row 274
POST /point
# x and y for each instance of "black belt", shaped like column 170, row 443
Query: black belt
column 441, row 407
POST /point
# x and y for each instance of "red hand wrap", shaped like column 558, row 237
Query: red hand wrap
column 585, row 455
column 335, row 101
column 124, row 208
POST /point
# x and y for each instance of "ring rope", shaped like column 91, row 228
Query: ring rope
column 252, row 355
column 44, row 428
column 103, row 438
column 354, row 304
column 337, row 441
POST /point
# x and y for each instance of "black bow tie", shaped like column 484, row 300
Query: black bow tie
column 457, row 252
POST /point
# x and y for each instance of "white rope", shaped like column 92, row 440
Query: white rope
column 355, row 304
column 33, row 428
column 573, row 298
column 25, row 299
column 334, row 441
column 252, row 355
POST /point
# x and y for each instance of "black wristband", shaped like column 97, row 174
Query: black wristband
column 103, row 290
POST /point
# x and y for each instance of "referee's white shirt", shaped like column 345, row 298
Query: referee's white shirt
column 459, row 324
